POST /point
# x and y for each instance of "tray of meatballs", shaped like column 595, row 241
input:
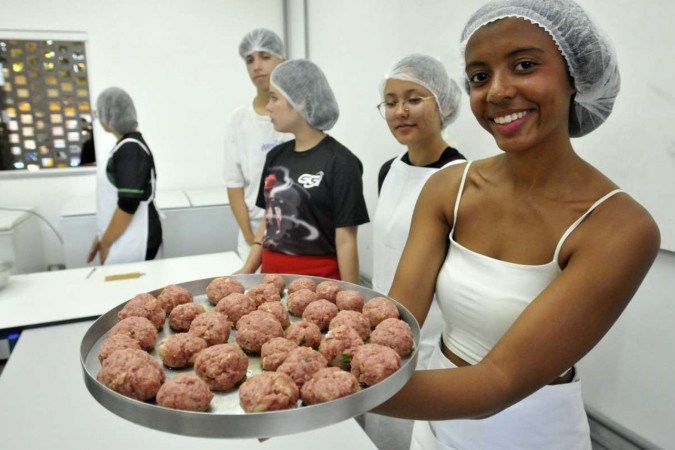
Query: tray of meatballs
column 249, row 356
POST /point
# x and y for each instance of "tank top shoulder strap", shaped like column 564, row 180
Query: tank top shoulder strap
column 459, row 195
column 581, row 219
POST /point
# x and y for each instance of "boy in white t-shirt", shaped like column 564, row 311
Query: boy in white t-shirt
column 250, row 135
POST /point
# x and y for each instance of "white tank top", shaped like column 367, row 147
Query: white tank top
column 480, row 297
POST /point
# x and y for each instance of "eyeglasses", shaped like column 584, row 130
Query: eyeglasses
column 410, row 105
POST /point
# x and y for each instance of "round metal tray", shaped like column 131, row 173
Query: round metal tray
column 226, row 419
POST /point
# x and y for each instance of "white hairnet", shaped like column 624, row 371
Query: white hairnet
column 116, row 110
column 307, row 90
column 429, row 73
column 590, row 57
column 261, row 40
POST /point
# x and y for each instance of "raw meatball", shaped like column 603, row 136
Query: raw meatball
column 379, row 308
column 263, row 293
column 372, row 363
column 133, row 373
column 304, row 333
column 186, row 392
column 182, row 316
column 222, row 287
column 329, row 384
column 349, row 300
column 302, row 363
column 353, row 319
column 275, row 351
column 180, row 350
column 255, row 329
column 116, row 342
column 268, row 391
column 211, row 326
column 298, row 301
column 144, row 305
column 278, row 310
column 235, row 306
column 320, row 313
column 221, row 366
column 328, row 290
column 137, row 328
column 301, row 283
column 393, row 333
column 172, row 296
column 339, row 345
column 275, row 279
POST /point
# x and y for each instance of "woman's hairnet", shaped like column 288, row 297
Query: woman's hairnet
column 116, row 110
column 261, row 40
column 590, row 57
column 307, row 90
column 429, row 73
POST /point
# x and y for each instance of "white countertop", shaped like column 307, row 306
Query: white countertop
column 49, row 297
column 208, row 196
column 45, row 405
column 171, row 200
column 80, row 205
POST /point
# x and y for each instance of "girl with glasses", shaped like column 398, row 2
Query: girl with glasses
column 419, row 102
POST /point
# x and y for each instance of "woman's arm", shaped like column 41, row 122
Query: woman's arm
column 555, row 331
column 254, row 259
column 347, row 253
column 118, row 224
column 240, row 212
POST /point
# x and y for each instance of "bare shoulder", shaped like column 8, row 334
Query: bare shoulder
column 443, row 186
column 622, row 231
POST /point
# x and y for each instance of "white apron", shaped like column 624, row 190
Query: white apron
column 391, row 226
column 552, row 418
column 131, row 246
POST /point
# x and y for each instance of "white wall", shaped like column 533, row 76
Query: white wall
column 177, row 59
column 628, row 377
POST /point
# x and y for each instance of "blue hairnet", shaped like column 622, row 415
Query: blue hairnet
column 261, row 40
column 116, row 110
column 589, row 55
column 429, row 73
column 307, row 90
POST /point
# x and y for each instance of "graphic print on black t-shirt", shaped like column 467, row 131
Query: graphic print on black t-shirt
column 284, row 198
column 306, row 195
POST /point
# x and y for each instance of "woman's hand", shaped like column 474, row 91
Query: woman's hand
column 93, row 250
column 104, row 250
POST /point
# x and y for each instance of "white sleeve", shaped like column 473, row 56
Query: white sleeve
column 233, row 171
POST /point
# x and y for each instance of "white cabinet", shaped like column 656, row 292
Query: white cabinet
column 194, row 222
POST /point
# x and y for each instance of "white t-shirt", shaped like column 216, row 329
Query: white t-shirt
column 248, row 138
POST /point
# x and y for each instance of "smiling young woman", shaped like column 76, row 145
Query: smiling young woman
column 533, row 254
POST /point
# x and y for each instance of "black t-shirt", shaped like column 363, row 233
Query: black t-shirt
column 449, row 154
column 129, row 170
column 307, row 195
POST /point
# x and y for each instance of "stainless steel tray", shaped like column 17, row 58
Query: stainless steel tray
column 226, row 419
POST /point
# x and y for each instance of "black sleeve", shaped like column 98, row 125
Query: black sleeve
column 349, row 204
column 384, row 170
column 132, row 166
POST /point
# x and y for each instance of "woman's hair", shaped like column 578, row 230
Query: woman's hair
column 429, row 73
column 116, row 110
column 306, row 88
column 262, row 40
column 589, row 55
